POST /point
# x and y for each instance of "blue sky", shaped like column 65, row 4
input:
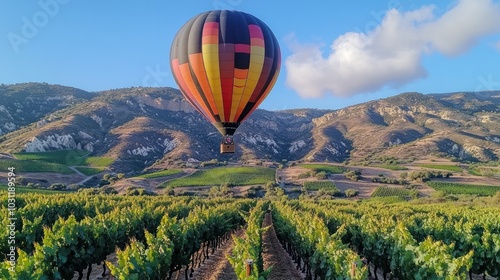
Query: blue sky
column 334, row 53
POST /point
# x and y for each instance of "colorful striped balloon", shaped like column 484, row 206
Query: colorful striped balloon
column 225, row 63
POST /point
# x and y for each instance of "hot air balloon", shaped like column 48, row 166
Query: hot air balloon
column 225, row 64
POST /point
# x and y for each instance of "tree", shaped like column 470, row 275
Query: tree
column 57, row 186
column 170, row 191
column 108, row 190
column 321, row 175
column 351, row 192
column 220, row 191
column 353, row 175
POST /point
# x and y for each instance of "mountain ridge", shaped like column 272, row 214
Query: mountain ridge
column 150, row 127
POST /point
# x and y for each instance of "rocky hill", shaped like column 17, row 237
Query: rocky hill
column 150, row 127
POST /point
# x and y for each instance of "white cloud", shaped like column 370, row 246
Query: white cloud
column 391, row 55
column 497, row 45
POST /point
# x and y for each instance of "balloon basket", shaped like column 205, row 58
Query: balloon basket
column 227, row 145
column 227, row 148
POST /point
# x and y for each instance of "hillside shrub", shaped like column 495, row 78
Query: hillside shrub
column 351, row 193
column 57, row 187
column 353, row 175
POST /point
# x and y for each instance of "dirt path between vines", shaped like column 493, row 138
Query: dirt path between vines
column 217, row 267
column 275, row 256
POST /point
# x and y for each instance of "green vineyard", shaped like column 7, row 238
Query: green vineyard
column 452, row 168
column 225, row 175
column 62, row 236
column 317, row 185
column 454, row 188
column 333, row 169
column 35, row 166
column 162, row 173
column 386, row 191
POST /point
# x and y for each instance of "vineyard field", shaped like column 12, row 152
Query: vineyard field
column 455, row 188
column 447, row 167
column 99, row 161
column 317, row 185
column 158, row 174
column 333, row 169
column 416, row 241
column 59, row 236
column 486, row 171
column 64, row 157
column 28, row 190
column 35, row 166
column 391, row 166
column 238, row 176
column 387, row 191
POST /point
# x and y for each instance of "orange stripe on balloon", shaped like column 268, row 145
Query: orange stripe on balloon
column 240, row 73
column 196, row 62
column 185, row 89
column 209, row 40
column 257, row 42
column 186, row 75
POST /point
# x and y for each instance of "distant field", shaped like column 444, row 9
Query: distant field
column 58, row 161
column 64, row 157
column 162, row 173
column 452, row 168
column 394, row 167
column 34, row 166
column 90, row 170
column 484, row 171
column 454, row 188
column 387, row 191
column 324, row 167
column 316, row 185
column 27, row 190
column 239, row 176
column 99, row 161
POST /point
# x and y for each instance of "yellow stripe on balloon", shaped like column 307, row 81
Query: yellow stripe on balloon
column 238, row 87
column 211, row 61
column 269, row 88
column 254, row 71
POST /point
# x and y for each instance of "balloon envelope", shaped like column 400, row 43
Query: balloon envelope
column 225, row 63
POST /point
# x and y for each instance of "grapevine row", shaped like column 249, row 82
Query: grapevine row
column 250, row 247
column 463, row 243
column 73, row 245
column 319, row 254
column 177, row 244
